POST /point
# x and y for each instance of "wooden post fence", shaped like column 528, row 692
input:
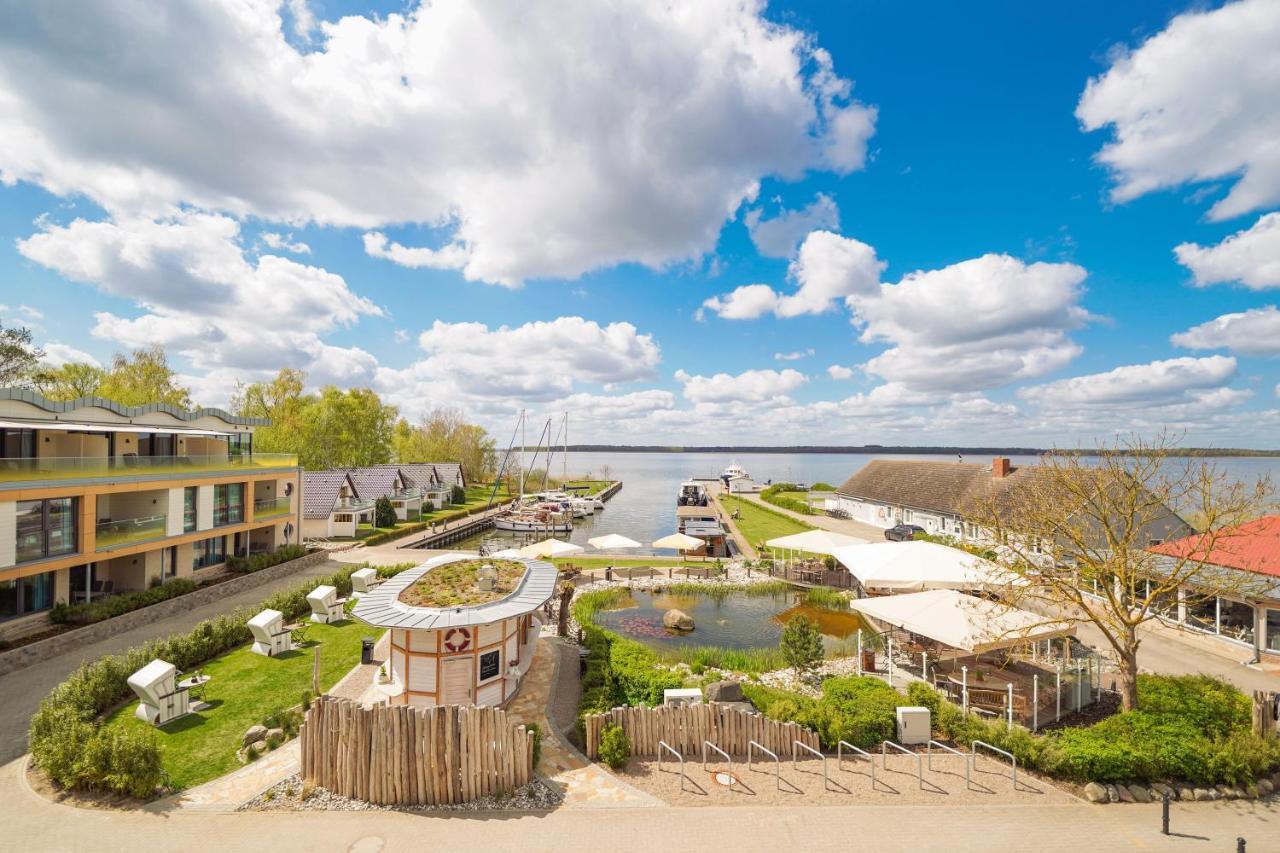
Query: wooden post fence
column 685, row 727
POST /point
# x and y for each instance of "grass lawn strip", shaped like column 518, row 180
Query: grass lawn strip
column 454, row 584
column 759, row 524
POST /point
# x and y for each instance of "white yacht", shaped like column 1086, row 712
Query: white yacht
column 733, row 472
column 691, row 493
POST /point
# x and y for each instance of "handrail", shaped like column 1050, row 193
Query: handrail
column 871, row 759
column 1013, row 759
column 777, row 765
column 662, row 744
column 707, row 743
column 826, row 780
column 919, row 759
column 940, row 745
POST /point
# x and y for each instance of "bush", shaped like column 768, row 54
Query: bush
column 458, row 495
column 118, row 605
column 857, row 709
column 615, row 747
column 801, row 645
column 384, row 514
column 258, row 562
column 772, row 495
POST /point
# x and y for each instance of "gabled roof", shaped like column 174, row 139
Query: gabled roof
column 1252, row 547
column 449, row 473
column 420, row 475
column 938, row 486
column 375, row 481
column 320, row 491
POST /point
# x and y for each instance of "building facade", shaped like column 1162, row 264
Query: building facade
column 98, row 499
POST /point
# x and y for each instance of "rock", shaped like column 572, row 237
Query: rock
column 278, row 733
column 1224, row 792
column 1095, row 793
column 723, row 691
column 677, row 620
column 1251, row 791
column 1185, row 792
column 253, row 735
column 256, row 748
column 1126, row 796
column 1159, row 789
column 1113, row 795
column 1203, row 795
column 1265, row 786
column 1140, row 794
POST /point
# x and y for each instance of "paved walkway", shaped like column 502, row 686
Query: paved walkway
column 21, row 691
column 847, row 526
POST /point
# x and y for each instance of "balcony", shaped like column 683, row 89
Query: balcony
column 355, row 505
column 129, row 531
column 224, row 515
column 140, row 467
column 270, row 508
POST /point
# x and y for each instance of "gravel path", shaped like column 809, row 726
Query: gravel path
column 288, row 796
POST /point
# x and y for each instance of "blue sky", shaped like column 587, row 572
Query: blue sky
column 493, row 207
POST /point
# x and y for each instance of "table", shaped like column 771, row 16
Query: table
column 194, row 681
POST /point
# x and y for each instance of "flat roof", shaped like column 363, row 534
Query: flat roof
column 382, row 608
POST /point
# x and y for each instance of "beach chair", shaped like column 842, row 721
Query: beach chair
column 326, row 607
column 161, row 700
column 269, row 635
column 363, row 581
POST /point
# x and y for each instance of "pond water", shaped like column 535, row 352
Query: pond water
column 736, row 620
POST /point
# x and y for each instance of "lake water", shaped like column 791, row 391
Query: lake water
column 644, row 509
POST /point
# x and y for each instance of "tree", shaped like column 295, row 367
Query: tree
column 1076, row 535
column 70, row 381
column 18, row 356
column 445, row 436
column 281, row 401
column 346, row 429
column 801, row 645
column 384, row 514
column 142, row 378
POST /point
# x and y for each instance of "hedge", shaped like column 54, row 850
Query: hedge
column 258, row 562
column 771, row 495
column 67, row 740
column 117, row 605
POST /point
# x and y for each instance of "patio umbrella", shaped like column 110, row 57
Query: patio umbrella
column 679, row 541
column 612, row 542
column 550, row 548
column 506, row 552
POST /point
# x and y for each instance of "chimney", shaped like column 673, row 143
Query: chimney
column 1000, row 467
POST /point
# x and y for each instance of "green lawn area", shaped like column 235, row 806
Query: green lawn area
column 803, row 497
column 246, row 688
column 588, row 487
column 758, row 524
column 602, row 562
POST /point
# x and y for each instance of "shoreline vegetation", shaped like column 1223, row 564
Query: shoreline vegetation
column 924, row 450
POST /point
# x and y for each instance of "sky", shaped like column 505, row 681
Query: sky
column 707, row 223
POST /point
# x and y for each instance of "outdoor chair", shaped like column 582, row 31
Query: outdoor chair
column 161, row 700
column 363, row 581
column 269, row 635
column 326, row 607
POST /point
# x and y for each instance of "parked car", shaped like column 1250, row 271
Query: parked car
column 903, row 532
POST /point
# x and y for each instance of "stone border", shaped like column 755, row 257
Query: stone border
column 42, row 650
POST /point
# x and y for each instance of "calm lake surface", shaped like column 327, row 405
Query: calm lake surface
column 645, row 508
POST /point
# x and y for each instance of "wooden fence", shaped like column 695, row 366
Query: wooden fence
column 685, row 727
column 406, row 755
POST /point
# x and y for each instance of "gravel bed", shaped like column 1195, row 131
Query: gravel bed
column 287, row 796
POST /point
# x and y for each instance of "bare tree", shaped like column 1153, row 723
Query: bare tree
column 1077, row 531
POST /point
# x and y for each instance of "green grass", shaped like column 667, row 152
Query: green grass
column 825, row 596
column 588, row 487
column 602, row 562
column 721, row 657
column 759, row 524
column 246, row 688
column 797, row 496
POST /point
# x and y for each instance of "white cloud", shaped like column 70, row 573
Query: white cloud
column 506, row 131
column 57, row 354
column 203, row 297
column 451, row 257
column 1171, row 381
column 285, row 243
column 779, row 236
column 839, row 371
column 1195, row 102
column 826, row 268
column 750, row 386
column 1251, row 257
column 794, row 356
column 1252, row 332
column 401, row 336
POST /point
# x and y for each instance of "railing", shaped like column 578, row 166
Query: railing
column 352, row 505
column 76, row 467
column 663, row 745
column 1013, row 761
column 270, row 507
column 707, row 743
column 188, row 520
column 223, row 515
column 126, row 531
column 966, row 757
column 884, row 759
column 826, row 780
column 840, row 748
column 777, row 765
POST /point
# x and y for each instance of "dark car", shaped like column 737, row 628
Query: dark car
column 903, row 532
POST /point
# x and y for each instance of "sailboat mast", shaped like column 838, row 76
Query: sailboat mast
column 522, row 441
column 564, row 463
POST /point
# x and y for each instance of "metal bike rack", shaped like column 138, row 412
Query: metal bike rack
column 918, row 757
column 777, row 765
column 826, row 780
column 662, row 744
column 871, row 760
column 1013, row 760
column 968, row 759
column 707, row 743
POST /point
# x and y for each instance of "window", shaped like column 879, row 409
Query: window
column 169, row 562
column 26, row 595
column 189, row 509
column 1202, row 613
column 342, row 518
column 240, row 444
column 156, row 444
column 489, row 665
column 228, row 504
column 17, row 443
column 1273, row 631
column 46, row 528
column 209, row 552
column 1235, row 620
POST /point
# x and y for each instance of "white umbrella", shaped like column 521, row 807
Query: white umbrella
column 550, row 548
column 911, row 566
column 612, row 542
column 506, row 552
column 678, row 541
column 961, row 621
column 815, row 541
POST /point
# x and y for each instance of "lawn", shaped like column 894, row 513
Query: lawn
column 587, row 487
column 246, row 688
column 803, row 497
column 758, row 524
column 602, row 562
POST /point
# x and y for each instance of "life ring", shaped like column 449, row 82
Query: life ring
column 453, row 644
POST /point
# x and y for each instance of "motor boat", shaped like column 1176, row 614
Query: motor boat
column 733, row 472
column 691, row 494
column 538, row 519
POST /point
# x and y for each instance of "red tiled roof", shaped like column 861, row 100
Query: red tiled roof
column 1253, row 546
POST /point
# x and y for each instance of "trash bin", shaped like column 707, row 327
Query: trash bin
column 583, row 654
column 366, row 650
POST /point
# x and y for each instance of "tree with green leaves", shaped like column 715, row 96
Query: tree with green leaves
column 142, row 378
column 346, row 429
column 280, row 400
column 384, row 514
column 69, row 381
column 801, row 645
column 19, row 357
column 445, row 436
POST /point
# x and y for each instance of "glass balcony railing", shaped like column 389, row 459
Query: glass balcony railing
column 223, row 515
column 270, row 508
column 127, row 531
column 75, row 467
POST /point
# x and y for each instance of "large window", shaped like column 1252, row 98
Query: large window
column 228, row 504
column 46, row 529
column 1273, row 630
column 156, row 444
column 1235, row 620
column 240, row 444
column 17, row 443
column 209, row 552
column 189, row 509
column 26, row 595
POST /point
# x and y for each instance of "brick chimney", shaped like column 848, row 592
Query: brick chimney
column 1000, row 467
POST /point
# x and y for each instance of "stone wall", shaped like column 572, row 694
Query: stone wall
column 42, row 650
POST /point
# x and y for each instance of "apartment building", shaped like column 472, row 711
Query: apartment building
column 98, row 499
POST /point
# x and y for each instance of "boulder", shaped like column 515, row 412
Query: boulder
column 278, row 733
column 1140, row 794
column 1225, row 792
column 723, row 691
column 1113, row 795
column 1185, row 791
column 1265, row 787
column 1203, row 795
column 1251, row 791
column 1126, row 796
column 1160, row 789
column 253, row 735
column 1095, row 793
column 677, row 620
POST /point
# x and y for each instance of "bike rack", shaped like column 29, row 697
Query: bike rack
column 1013, row 760
column 919, row 759
column 707, row 743
column 662, row 744
column 826, row 780
column 777, row 765
column 968, row 759
column 871, row 760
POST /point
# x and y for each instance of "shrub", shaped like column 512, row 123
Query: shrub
column 772, row 495
column 801, row 645
column 428, row 506
column 458, row 495
column 118, row 605
column 615, row 747
column 384, row 514
column 258, row 562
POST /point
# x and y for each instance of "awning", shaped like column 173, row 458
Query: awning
column 961, row 621
column 83, row 426
column 815, row 541
column 909, row 566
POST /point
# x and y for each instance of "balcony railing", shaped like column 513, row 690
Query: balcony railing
column 223, row 515
column 352, row 505
column 76, row 467
column 128, row 531
column 270, row 508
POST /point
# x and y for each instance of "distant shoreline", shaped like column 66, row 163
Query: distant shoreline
column 881, row 449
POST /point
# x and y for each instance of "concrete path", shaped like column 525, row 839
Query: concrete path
column 21, row 691
column 847, row 526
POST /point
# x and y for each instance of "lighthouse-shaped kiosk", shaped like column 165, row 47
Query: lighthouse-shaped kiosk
column 463, row 629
